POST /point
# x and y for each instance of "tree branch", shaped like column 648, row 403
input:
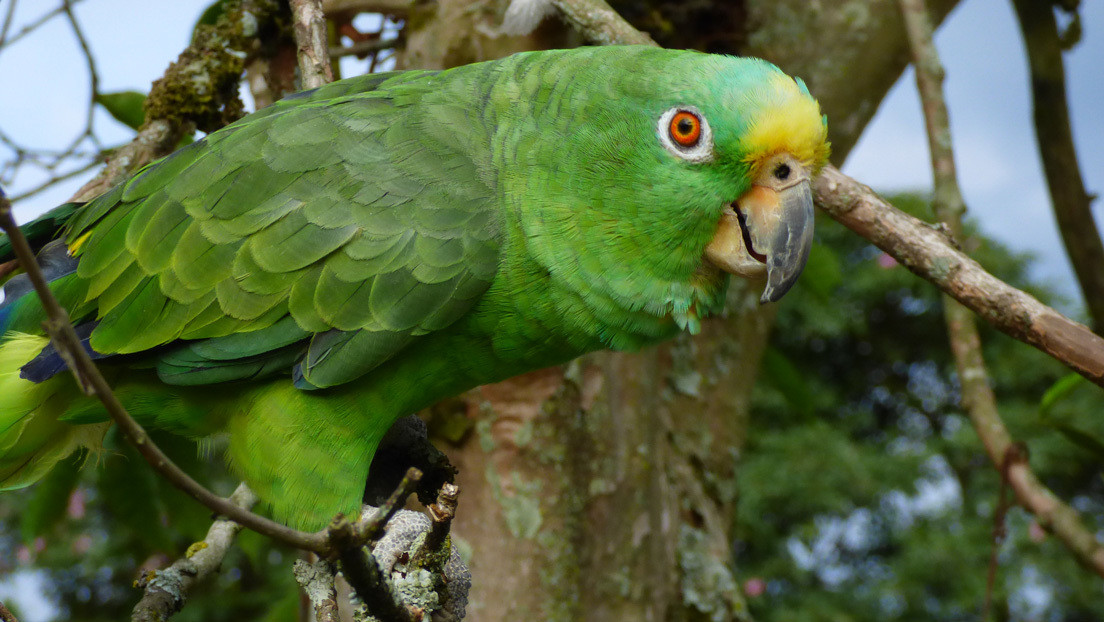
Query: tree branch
column 928, row 252
column 365, row 47
column 977, row 396
column 167, row 590
column 364, row 575
column 435, row 548
column 1072, row 204
column 317, row 581
column 310, row 39
column 599, row 23
column 92, row 382
column 386, row 7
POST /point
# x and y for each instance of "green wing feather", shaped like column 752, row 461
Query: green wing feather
column 333, row 228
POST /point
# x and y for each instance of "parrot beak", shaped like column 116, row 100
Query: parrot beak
column 768, row 231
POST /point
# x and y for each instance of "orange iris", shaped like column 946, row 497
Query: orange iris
column 685, row 128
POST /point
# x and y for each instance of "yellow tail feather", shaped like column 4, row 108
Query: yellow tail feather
column 32, row 440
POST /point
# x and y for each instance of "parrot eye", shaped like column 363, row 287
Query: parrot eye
column 685, row 129
column 685, row 133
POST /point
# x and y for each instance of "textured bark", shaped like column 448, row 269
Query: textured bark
column 606, row 490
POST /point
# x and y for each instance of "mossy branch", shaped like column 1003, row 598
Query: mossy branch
column 167, row 590
column 199, row 90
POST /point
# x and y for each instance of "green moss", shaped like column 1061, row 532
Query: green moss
column 521, row 507
column 707, row 584
column 941, row 268
column 201, row 87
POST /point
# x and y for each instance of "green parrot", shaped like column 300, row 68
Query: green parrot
column 301, row 278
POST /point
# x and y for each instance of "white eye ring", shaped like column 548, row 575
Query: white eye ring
column 701, row 151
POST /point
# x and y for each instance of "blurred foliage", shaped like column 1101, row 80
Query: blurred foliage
column 92, row 530
column 865, row 494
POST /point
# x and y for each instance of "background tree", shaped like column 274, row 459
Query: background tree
column 659, row 485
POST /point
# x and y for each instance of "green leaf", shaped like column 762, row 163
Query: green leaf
column 51, row 498
column 1058, row 391
column 1083, row 439
column 128, row 107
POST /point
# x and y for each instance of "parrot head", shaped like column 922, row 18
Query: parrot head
column 752, row 138
column 670, row 170
column 767, row 230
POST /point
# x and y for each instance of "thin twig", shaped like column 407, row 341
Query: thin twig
column 364, row 575
column 977, row 396
column 599, row 23
column 57, row 179
column 372, row 522
column 1000, row 529
column 166, row 590
column 310, row 38
column 1072, row 204
column 926, row 251
column 68, row 344
column 364, row 47
column 8, row 15
column 436, row 546
column 93, row 78
column 31, row 27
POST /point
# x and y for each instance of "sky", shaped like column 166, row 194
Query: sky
column 45, row 89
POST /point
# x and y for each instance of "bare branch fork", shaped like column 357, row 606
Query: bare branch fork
column 165, row 590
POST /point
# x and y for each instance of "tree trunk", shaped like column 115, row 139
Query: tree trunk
column 606, row 490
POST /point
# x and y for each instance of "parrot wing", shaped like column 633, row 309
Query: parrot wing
column 322, row 234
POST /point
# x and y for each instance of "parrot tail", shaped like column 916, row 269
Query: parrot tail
column 32, row 438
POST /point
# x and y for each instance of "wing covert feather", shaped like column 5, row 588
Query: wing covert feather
column 364, row 218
